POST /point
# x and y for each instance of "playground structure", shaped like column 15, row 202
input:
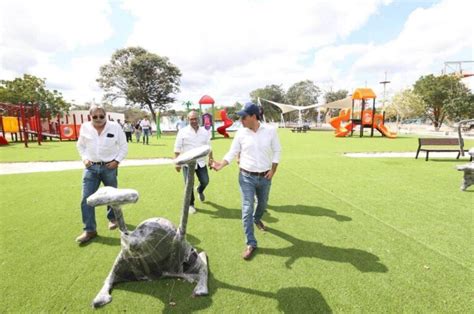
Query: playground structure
column 222, row 116
column 207, row 118
column 24, row 123
column 360, row 115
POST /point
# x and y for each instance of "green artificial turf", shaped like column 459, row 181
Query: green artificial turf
column 345, row 234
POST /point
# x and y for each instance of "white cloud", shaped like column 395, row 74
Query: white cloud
column 37, row 37
column 429, row 38
column 228, row 49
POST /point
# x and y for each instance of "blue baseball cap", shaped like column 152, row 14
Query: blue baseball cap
column 249, row 109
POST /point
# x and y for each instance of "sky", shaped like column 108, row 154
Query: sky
column 226, row 49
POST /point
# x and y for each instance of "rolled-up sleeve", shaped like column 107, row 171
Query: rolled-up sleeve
column 234, row 149
column 276, row 147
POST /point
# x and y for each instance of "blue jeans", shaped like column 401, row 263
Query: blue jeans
column 91, row 179
column 203, row 178
column 146, row 134
column 251, row 186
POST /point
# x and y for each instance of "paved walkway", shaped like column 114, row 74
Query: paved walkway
column 46, row 166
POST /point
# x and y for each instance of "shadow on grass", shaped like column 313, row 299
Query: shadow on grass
column 176, row 296
column 362, row 260
column 231, row 213
column 309, row 211
column 290, row 299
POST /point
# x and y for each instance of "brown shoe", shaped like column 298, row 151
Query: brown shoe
column 260, row 225
column 113, row 225
column 247, row 254
column 86, row 236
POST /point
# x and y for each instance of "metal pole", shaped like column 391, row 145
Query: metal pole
column 187, row 197
column 23, row 121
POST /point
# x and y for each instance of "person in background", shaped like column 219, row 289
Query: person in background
column 128, row 129
column 180, row 124
column 138, row 131
column 146, row 129
column 102, row 146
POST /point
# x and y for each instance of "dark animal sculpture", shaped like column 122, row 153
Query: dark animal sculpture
column 156, row 248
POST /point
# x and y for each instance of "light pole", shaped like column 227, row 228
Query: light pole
column 384, row 82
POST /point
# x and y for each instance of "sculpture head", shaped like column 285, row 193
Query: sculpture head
column 153, row 237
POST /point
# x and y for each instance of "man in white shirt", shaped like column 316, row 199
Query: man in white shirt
column 102, row 146
column 259, row 149
column 146, row 129
column 190, row 137
column 180, row 124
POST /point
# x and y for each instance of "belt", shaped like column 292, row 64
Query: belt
column 258, row 174
column 101, row 163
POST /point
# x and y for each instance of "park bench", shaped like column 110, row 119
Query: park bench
column 300, row 129
column 439, row 145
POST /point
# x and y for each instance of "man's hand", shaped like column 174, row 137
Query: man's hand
column 87, row 163
column 269, row 174
column 112, row 165
column 216, row 165
column 178, row 168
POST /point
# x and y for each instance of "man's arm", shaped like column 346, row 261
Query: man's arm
column 276, row 148
column 233, row 151
column 122, row 150
column 81, row 148
column 177, row 167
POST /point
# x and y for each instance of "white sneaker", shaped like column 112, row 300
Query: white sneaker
column 192, row 210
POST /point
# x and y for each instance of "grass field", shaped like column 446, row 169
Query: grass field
column 345, row 235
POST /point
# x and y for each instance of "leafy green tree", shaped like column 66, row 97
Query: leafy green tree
column 303, row 93
column 232, row 111
column 333, row 96
column 405, row 105
column 29, row 90
column 444, row 97
column 140, row 77
column 270, row 92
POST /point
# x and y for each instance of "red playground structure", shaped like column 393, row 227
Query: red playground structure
column 227, row 123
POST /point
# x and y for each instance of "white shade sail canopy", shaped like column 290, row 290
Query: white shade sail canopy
column 338, row 104
column 285, row 108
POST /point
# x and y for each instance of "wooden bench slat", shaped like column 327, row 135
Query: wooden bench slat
column 439, row 141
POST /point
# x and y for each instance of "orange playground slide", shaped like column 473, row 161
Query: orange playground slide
column 342, row 130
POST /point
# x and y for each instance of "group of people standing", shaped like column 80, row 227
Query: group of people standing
column 256, row 146
column 139, row 128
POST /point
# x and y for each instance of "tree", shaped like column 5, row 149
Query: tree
column 30, row 90
column 333, row 96
column 303, row 93
column 405, row 104
column 140, row 77
column 444, row 96
column 232, row 111
column 270, row 92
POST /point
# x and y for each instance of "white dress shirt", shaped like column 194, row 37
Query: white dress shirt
column 258, row 150
column 145, row 124
column 110, row 145
column 188, row 138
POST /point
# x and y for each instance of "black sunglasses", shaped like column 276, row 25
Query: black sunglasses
column 98, row 117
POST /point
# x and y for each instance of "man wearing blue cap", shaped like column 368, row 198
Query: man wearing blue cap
column 259, row 149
